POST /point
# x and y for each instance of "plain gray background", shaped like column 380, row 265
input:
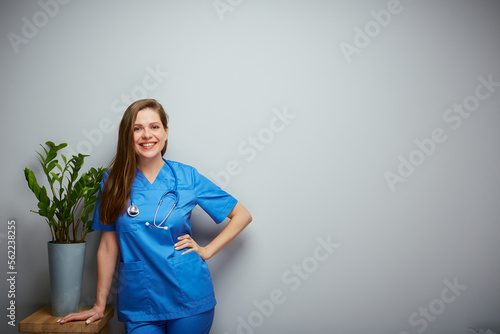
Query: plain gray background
column 362, row 88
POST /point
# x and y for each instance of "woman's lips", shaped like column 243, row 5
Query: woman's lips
column 147, row 145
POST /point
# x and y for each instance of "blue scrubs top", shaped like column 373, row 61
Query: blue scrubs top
column 155, row 281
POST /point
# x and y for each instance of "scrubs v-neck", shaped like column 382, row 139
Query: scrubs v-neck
column 155, row 281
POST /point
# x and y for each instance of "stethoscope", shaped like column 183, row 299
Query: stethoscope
column 133, row 210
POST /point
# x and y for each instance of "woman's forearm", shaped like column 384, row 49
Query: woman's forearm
column 239, row 219
column 107, row 255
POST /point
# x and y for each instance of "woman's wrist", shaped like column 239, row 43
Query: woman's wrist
column 207, row 253
column 99, row 308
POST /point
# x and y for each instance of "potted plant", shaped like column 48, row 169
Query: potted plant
column 66, row 208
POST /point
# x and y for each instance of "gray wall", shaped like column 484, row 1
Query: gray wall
column 362, row 136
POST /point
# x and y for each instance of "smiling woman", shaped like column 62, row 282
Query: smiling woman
column 165, row 284
column 135, row 124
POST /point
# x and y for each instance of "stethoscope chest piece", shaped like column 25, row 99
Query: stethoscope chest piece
column 132, row 210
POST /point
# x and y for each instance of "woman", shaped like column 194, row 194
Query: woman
column 164, row 284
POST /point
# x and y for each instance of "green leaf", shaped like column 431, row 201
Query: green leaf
column 93, row 199
column 89, row 209
column 61, row 146
column 32, row 182
column 43, row 196
column 46, row 152
column 41, row 159
column 44, row 204
column 55, row 176
column 51, row 166
column 52, row 155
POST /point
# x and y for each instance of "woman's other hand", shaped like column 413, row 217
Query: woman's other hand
column 90, row 316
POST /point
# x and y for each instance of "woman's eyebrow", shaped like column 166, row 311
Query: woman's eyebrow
column 152, row 123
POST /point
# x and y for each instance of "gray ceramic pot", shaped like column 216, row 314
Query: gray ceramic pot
column 66, row 274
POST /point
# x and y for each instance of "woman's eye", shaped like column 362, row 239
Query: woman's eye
column 137, row 129
column 155, row 127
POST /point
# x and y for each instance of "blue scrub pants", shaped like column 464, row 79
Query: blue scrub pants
column 196, row 324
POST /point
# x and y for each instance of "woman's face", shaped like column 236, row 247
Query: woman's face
column 149, row 134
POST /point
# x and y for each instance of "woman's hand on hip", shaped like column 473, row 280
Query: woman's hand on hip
column 185, row 241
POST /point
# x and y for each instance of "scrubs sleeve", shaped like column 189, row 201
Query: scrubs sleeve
column 211, row 198
column 96, row 221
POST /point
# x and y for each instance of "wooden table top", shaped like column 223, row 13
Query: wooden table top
column 42, row 321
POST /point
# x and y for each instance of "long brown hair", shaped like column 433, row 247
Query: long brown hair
column 117, row 187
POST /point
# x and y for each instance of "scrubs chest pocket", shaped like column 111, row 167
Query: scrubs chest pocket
column 126, row 226
column 193, row 276
column 132, row 291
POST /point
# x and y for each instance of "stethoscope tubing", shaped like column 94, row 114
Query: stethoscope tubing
column 133, row 210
